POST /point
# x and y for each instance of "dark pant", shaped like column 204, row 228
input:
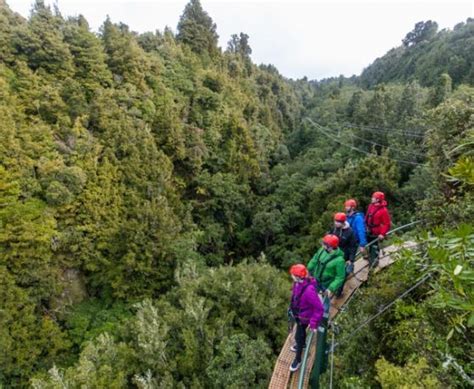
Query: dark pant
column 373, row 250
column 350, row 268
column 300, row 338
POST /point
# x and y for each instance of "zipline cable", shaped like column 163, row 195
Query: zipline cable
column 322, row 130
column 344, row 307
column 387, row 147
column 373, row 317
column 386, row 130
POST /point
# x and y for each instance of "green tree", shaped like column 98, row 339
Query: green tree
column 251, row 357
column 42, row 44
column 88, row 56
column 197, row 30
column 125, row 58
column 239, row 44
column 442, row 89
column 423, row 31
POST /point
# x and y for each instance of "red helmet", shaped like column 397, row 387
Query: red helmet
column 331, row 241
column 340, row 217
column 379, row 196
column 350, row 203
column 299, row 270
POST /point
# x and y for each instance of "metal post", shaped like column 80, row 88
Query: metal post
column 320, row 363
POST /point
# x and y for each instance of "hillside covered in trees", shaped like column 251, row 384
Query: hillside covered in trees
column 155, row 188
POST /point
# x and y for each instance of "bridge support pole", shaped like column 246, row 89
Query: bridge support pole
column 321, row 360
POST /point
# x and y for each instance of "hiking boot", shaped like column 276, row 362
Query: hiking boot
column 295, row 365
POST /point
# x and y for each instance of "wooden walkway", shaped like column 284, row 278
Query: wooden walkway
column 282, row 378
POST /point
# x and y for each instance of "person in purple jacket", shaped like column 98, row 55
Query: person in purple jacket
column 306, row 308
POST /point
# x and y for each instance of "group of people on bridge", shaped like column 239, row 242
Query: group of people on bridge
column 324, row 276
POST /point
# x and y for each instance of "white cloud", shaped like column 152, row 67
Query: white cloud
column 301, row 38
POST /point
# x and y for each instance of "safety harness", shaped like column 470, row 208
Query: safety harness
column 323, row 268
column 370, row 217
column 294, row 310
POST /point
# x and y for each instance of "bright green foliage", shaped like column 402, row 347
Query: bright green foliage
column 413, row 375
column 87, row 320
column 141, row 174
column 452, row 257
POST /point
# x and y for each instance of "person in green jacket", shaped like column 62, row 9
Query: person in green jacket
column 328, row 266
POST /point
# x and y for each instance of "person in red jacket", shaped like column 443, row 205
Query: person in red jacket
column 378, row 222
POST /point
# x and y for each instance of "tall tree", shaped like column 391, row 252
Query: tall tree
column 442, row 89
column 197, row 30
column 42, row 42
column 239, row 44
column 88, row 55
column 423, row 31
column 125, row 58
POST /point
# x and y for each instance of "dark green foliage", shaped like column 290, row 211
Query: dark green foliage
column 250, row 355
column 189, row 336
column 197, row 30
column 423, row 31
column 426, row 55
column 41, row 42
column 239, row 44
column 122, row 157
column 141, row 174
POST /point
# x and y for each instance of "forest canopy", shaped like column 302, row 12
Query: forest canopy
column 155, row 188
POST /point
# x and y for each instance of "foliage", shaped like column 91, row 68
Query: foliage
column 425, row 55
column 418, row 339
column 192, row 334
column 196, row 29
column 156, row 167
column 411, row 376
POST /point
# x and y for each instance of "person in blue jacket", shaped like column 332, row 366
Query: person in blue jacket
column 357, row 222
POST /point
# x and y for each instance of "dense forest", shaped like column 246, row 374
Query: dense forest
column 155, row 188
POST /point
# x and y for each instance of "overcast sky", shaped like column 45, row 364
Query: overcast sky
column 317, row 39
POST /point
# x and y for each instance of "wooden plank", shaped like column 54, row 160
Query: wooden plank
column 281, row 373
column 386, row 259
column 296, row 375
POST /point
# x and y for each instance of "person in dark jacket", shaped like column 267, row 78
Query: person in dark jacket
column 306, row 308
column 378, row 223
column 347, row 240
column 357, row 222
